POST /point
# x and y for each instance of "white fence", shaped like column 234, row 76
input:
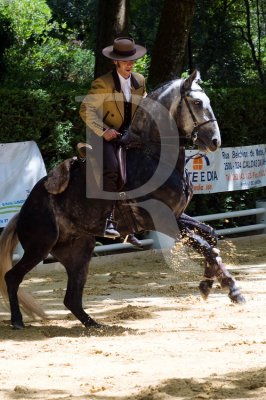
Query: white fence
column 163, row 241
column 157, row 240
column 259, row 226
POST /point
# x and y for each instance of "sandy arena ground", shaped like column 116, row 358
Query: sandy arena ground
column 161, row 341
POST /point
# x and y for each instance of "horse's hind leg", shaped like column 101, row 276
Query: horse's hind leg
column 203, row 240
column 75, row 255
column 13, row 279
column 37, row 245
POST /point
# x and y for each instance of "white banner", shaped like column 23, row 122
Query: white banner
column 21, row 166
column 227, row 169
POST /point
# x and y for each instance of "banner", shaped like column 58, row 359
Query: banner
column 21, row 166
column 227, row 169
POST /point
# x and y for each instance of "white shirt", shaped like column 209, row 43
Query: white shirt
column 125, row 86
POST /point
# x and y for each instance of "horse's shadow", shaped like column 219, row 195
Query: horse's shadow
column 51, row 329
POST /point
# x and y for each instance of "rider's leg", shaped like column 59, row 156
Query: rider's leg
column 110, row 184
column 131, row 238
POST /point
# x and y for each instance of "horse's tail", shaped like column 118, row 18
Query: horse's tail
column 8, row 242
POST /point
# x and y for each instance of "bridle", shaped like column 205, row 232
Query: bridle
column 197, row 124
column 150, row 149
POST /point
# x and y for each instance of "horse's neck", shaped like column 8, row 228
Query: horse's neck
column 156, row 117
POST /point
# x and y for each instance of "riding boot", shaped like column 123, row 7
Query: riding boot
column 131, row 238
column 111, row 226
column 110, row 179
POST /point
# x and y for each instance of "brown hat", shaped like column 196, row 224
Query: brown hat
column 124, row 48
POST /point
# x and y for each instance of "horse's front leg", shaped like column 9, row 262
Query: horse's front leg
column 74, row 294
column 206, row 284
column 75, row 255
column 203, row 240
column 188, row 224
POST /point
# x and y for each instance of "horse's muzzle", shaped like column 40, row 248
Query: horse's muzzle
column 216, row 143
column 207, row 145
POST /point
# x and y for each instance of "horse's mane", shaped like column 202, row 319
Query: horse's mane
column 160, row 87
column 160, row 90
column 156, row 105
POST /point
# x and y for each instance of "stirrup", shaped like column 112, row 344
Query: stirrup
column 110, row 230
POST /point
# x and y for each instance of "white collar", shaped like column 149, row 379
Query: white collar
column 124, row 81
column 125, row 86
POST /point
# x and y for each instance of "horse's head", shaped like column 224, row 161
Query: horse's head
column 191, row 114
column 194, row 116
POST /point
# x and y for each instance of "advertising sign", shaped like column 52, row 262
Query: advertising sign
column 227, row 169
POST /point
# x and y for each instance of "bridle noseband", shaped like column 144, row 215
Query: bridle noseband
column 197, row 125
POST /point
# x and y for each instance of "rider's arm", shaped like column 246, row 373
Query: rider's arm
column 91, row 110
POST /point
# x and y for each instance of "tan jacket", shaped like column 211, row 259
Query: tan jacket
column 103, row 107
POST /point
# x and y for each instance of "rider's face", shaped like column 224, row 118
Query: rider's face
column 124, row 68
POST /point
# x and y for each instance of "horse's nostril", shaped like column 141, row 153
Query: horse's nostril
column 215, row 142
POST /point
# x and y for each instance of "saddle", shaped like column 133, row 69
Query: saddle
column 58, row 178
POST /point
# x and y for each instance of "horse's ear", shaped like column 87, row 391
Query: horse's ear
column 195, row 76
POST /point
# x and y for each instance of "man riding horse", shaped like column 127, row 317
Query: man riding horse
column 64, row 222
column 108, row 111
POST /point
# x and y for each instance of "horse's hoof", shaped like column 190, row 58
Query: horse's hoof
column 205, row 288
column 91, row 323
column 18, row 325
column 237, row 298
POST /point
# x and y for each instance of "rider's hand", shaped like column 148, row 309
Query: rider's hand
column 110, row 134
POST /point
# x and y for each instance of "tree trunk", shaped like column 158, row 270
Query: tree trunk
column 256, row 54
column 112, row 22
column 171, row 40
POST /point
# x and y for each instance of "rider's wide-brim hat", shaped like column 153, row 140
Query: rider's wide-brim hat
column 125, row 49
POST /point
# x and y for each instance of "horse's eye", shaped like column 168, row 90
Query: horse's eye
column 198, row 102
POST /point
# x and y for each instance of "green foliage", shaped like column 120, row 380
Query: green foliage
column 44, row 52
column 80, row 16
column 220, row 40
column 144, row 17
column 51, row 118
column 28, row 17
column 49, row 63
column 6, row 40
column 142, row 65
column 23, row 114
column 240, row 113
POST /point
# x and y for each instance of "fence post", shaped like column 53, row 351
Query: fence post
column 261, row 218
